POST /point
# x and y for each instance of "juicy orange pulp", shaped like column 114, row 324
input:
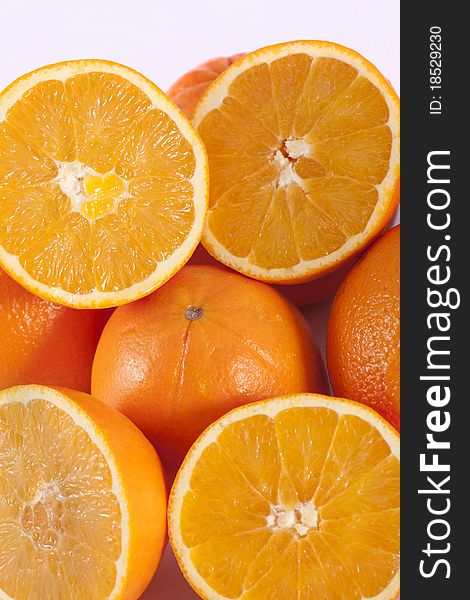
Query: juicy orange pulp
column 96, row 182
column 34, row 514
column 299, row 147
column 297, row 502
column 82, row 498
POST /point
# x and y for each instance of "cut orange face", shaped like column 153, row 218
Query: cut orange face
column 82, row 499
column 303, row 145
column 294, row 497
column 103, row 184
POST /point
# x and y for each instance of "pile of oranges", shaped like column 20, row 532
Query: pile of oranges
column 124, row 369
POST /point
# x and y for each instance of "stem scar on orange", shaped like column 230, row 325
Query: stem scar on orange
column 207, row 341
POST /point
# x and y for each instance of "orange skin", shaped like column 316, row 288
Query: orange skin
column 173, row 376
column 363, row 344
column 45, row 343
column 186, row 92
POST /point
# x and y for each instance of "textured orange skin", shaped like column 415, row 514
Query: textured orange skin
column 187, row 90
column 45, row 343
column 145, row 488
column 363, row 345
column 173, row 377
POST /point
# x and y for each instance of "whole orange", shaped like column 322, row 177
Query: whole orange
column 207, row 341
column 44, row 343
column 363, row 345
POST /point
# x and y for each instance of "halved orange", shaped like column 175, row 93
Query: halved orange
column 103, row 184
column 303, row 145
column 82, row 499
column 293, row 497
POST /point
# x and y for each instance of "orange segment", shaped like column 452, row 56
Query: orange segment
column 156, row 214
column 116, row 267
column 28, row 213
column 289, row 78
column 60, row 257
column 43, row 120
column 303, row 461
column 156, row 147
column 327, row 79
column 22, row 165
column 281, row 241
column 104, row 107
column 358, row 107
column 362, row 155
column 76, row 141
column 274, row 123
column 294, row 497
column 252, row 99
column 229, row 215
column 80, row 489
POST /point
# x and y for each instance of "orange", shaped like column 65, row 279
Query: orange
column 293, row 497
column 103, row 184
column 303, row 146
column 207, row 341
column 43, row 342
column 82, row 499
column 364, row 330
column 187, row 90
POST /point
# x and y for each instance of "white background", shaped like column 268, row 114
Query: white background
column 163, row 39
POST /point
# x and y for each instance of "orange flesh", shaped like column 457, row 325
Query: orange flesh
column 296, row 150
column 95, row 183
column 302, row 505
column 60, row 533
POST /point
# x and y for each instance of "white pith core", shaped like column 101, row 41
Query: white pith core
column 71, row 178
column 41, row 518
column 296, row 147
column 302, row 518
column 285, row 157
